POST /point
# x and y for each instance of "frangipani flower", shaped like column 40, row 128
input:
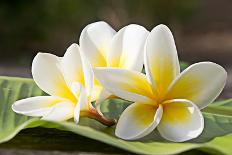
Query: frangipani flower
column 164, row 97
column 68, row 80
column 104, row 47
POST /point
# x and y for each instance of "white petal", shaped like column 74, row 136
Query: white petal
column 46, row 71
column 96, row 92
column 35, row 106
column 200, row 83
column 76, row 68
column 127, row 84
column 60, row 112
column 127, row 48
column 76, row 89
column 181, row 121
column 88, row 74
column 72, row 65
column 81, row 94
column 83, row 104
column 95, row 40
column 137, row 121
column 77, row 113
column 161, row 60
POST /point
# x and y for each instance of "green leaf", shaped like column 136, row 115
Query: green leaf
column 219, row 110
column 227, row 103
column 217, row 123
column 12, row 89
column 183, row 65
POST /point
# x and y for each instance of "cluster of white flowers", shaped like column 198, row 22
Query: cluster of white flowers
column 107, row 63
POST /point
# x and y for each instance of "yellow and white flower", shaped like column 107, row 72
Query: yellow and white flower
column 164, row 97
column 104, row 47
column 68, row 80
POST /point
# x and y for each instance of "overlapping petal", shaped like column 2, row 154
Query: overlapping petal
column 76, row 68
column 200, row 83
column 97, row 91
column 46, row 71
column 126, row 49
column 36, row 106
column 161, row 60
column 61, row 111
column 72, row 65
column 95, row 40
column 83, row 102
column 181, row 121
column 83, row 98
column 127, row 84
column 88, row 75
column 138, row 120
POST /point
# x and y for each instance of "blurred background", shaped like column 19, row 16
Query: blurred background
column 202, row 28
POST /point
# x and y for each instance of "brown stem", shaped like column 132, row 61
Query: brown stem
column 92, row 113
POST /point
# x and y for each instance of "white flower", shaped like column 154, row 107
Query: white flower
column 164, row 97
column 104, row 47
column 68, row 80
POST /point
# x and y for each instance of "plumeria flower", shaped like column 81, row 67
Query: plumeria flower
column 164, row 97
column 104, row 47
column 68, row 81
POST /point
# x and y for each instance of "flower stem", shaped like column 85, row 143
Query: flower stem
column 92, row 113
